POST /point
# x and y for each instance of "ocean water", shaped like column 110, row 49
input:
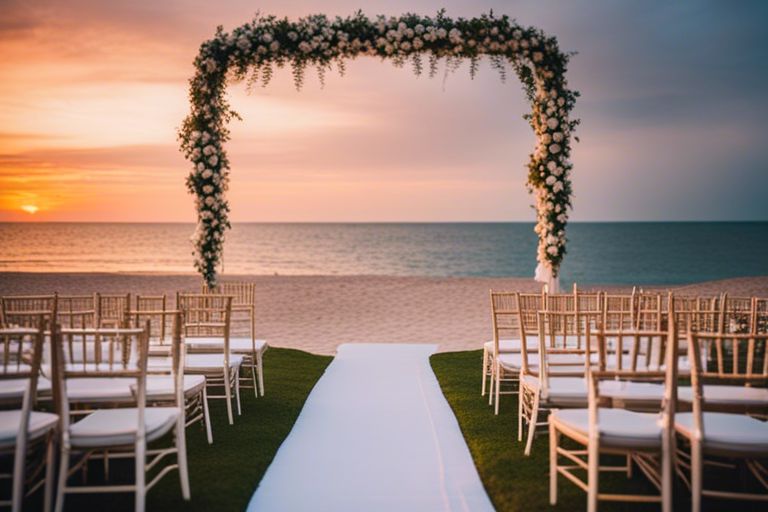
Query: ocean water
column 621, row 253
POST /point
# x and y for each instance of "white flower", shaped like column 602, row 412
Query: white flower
column 305, row 47
column 552, row 123
column 274, row 46
column 558, row 171
column 405, row 46
column 557, row 136
column 551, row 165
column 207, row 174
column 558, row 186
column 209, row 150
column 243, row 43
column 196, row 154
column 494, row 31
column 195, row 135
column 209, row 200
column 267, row 38
column 293, row 36
column 517, row 34
column 441, row 33
column 546, row 138
column 454, row 35
column 417, row 43
column 554, row 149
column 524, row 43
column 538, row 56
column 560, row 102
column 550, row 180
column 207, row 189
column 213, row 160
column 210, row 65
column 552, row 250
column 419, row 28
column 205, row 137
column 201, row 167
column 562, row 218
column 409, row 33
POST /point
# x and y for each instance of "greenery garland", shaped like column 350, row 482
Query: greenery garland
column 253, row 50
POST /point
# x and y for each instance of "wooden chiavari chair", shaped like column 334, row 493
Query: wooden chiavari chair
column 252, row 349
column 510, row 314
column 23, row 430
column 714, row 436
column 643, row 438
column 118, row 432
column 558, row 378
column 29, row 310
column 164, row 326
column 208, row 316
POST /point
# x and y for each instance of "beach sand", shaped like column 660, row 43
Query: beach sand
column 318, row 313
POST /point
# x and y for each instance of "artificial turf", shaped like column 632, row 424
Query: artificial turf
column 224, row 475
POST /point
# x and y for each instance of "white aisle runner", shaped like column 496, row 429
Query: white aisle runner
column 376, row 434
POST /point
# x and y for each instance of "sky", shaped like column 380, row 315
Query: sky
column 674, row 107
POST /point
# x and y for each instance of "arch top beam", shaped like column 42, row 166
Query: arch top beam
column 254, row 49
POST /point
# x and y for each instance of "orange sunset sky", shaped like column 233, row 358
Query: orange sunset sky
column 673, row 112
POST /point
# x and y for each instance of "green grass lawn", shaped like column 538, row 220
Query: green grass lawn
column 224, row 475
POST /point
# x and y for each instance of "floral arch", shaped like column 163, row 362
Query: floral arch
column 253, row 50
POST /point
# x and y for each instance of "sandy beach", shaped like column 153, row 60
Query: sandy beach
column 317, row 313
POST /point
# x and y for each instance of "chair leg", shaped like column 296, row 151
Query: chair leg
column 19, row 467
column 207, row 416
column 493, row 382
column 237, row 391
column 532, row 423
column 141, row 475
column 181, row 455
column 498, row 389
column 593, row 474
column 696, row 476
column 260, row 370
column 253, row 376
column 520, row 398
column 485, row 370
column 62, row 481
column 554, row 442
column 228, row 395
column 50, row 460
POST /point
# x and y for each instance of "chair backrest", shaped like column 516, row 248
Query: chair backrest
column 530, row 304
column 243, row 293
column 650, row 311
column 619, row 312
column 206, row 315
column 761, row 315
column 130, row 343
column 743, row 362
column 563, row 359
column 76, row 311
column 113, row 309
column 505, row 318
column 153, row 308
column 29, row 310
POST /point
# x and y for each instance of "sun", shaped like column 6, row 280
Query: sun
column 30, row 208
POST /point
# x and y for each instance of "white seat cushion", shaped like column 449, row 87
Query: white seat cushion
column 197, row 363
column 13, row 389
column 100, row 389
column 618, row 428
column 566, row 391
column 728, row 395
column 162, row 387
column 236, row 345
column 40, row 423
column 726, row 433
column 628, row 391
column 117, row 427
column 506, row 346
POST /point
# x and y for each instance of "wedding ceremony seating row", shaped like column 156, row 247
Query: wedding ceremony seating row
column 105, row 362
column 671, row 385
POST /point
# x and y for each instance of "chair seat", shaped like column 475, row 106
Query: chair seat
column 726, row 433
column 197, row 363
column 632, row 392
column 565, row 391
column 236, row 345
column 40, row 423
column 13, row 389
column 618, row 428
column 728, row 395
column 99, row 390
column 514, row 346
column 162, row 387
column 117, row 427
